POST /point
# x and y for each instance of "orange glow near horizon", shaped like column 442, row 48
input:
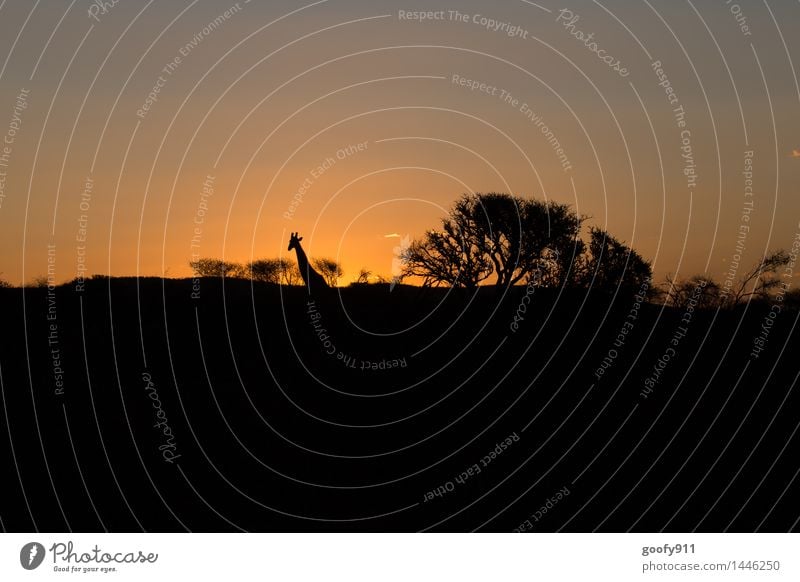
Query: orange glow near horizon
column 347, row 123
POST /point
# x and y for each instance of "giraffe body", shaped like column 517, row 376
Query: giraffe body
column 313, row 280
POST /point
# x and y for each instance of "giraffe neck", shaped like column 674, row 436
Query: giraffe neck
column 302, row 261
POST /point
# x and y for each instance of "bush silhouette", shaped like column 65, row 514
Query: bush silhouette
column 330, row 270
column 207, row 267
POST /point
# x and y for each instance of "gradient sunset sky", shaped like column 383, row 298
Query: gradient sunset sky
column 350, row 110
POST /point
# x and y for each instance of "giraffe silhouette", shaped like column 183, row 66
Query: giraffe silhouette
column 313, row 280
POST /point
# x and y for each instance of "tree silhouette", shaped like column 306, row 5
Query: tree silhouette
column 278, row 271
column 282, row 271
column 522, row 237
column 329, row 269
column 761, row 280
column 513, row 238
column 207, row 267
column 289, row 272
column 611, row 265
column 447, row 257
column 706, row 292
column 363, row 276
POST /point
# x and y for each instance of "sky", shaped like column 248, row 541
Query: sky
column 138, row 135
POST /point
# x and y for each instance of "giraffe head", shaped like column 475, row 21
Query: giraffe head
column 294, row 241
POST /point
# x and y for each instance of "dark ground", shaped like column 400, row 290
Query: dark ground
column 270, row 433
